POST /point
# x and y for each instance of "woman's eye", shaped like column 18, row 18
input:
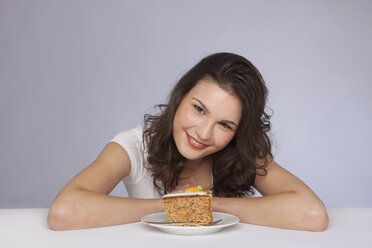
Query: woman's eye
column 223, row 124
column 199, row 109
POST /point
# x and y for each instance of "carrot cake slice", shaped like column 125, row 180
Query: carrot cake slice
column 192, row 205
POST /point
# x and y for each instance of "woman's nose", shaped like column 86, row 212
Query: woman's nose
column 204, row 130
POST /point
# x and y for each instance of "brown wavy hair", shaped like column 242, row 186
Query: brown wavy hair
column 235, row 167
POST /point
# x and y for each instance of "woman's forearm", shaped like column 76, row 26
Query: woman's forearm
column 287, row 210
column 80, row 209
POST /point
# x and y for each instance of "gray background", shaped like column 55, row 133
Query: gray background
column 75, row 73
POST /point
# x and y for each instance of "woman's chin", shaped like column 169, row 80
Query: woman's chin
column 193, row 155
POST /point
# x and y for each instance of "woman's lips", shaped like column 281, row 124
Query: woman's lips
column 194, row 143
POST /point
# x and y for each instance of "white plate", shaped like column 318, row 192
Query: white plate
column 227, row 220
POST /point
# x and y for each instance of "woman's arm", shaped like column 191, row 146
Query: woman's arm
column 286, row 203
column 84, row 202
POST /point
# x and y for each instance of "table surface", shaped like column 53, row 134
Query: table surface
column 349, row 227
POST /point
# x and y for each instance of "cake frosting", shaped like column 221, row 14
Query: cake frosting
column 195, row 190
column 184, row 193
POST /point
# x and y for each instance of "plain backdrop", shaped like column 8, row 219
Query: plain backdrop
column 74, row 73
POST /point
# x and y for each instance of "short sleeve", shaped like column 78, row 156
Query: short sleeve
column 131, row 141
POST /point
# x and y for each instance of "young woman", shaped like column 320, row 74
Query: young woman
column 213, row 133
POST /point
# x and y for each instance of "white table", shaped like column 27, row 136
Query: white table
column 28, row 228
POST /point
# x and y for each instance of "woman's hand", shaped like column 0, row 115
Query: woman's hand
column 286, row 203
column 84, row 202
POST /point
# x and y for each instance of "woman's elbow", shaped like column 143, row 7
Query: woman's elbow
column 60, row 217
column 318, row 219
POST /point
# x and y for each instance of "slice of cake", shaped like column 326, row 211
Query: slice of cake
column 192, row 205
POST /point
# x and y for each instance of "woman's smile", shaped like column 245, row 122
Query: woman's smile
column 194, row 143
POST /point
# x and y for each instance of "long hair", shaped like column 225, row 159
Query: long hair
column 235, row 167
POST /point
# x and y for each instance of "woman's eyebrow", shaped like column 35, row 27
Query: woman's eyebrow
column 202, row 104
column 230, row 122
column 207, row 110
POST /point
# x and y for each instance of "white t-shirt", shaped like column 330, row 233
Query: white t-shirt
column 139, row 182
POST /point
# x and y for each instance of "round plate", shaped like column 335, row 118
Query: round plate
column 227, row 220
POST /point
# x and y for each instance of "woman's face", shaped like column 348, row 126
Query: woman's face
column 206, row 120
